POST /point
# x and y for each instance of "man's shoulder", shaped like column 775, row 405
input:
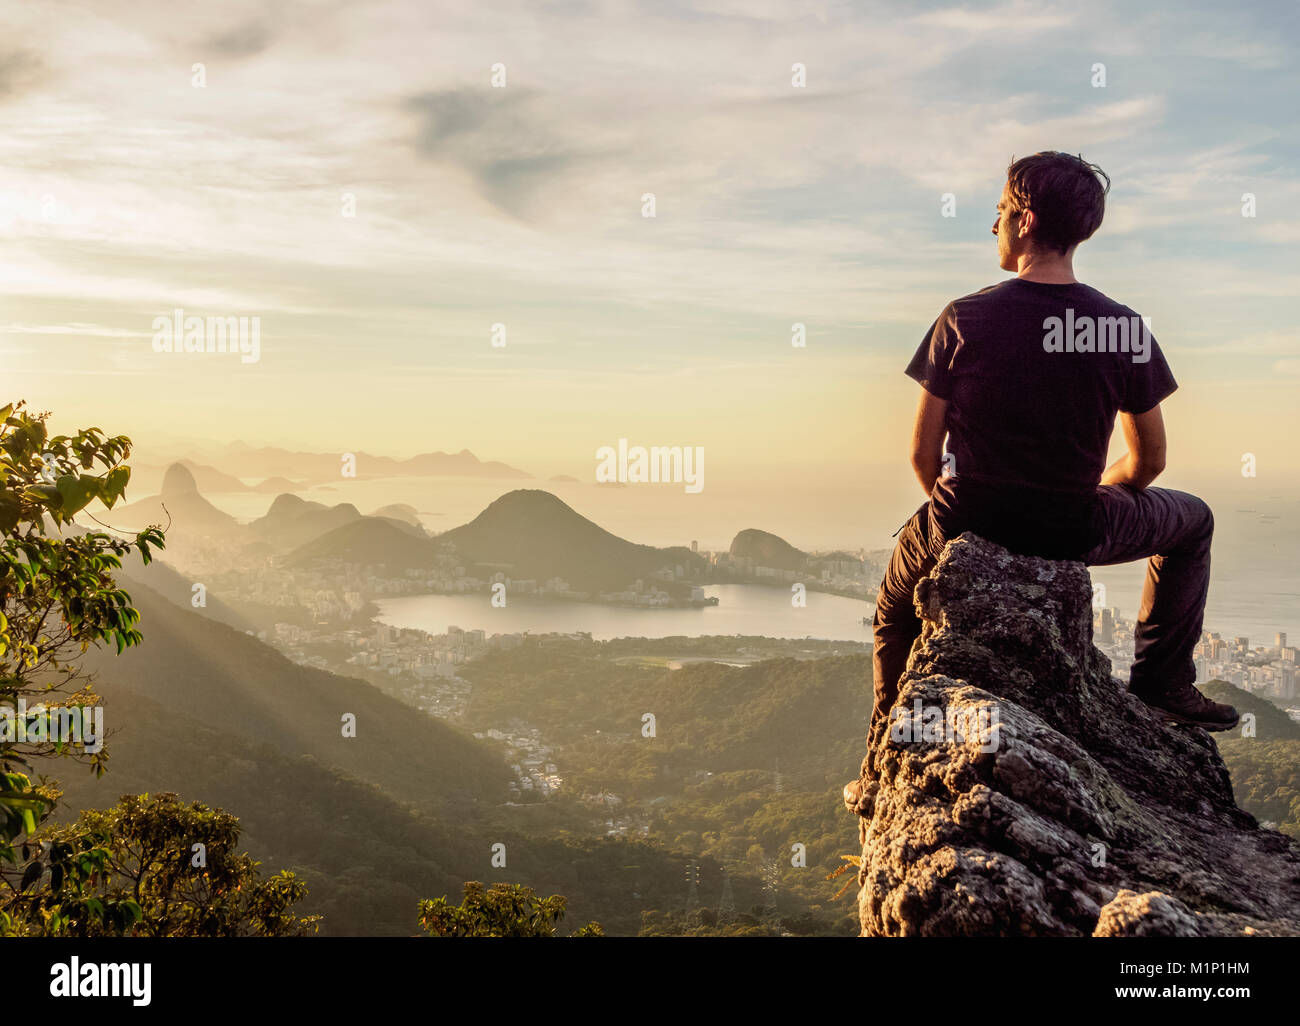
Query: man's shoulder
column 986, row 291
column 966, row 304
column 980, row 297
column 1010, row 290
column 1103, row 304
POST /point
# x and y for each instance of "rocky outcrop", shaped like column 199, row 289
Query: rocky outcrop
column 766, row 549
column 1019, row 790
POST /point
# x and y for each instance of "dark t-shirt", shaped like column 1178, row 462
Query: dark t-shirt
column 1031, row 408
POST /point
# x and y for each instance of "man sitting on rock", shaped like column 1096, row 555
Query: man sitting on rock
column 1025, row 378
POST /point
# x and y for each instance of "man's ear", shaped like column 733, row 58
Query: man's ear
column 1027, row 220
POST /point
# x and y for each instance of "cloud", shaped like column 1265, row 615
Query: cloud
column 19, row 69
column 457, row 114
column 512, row 142
column 1013, row 20
column 474, row 204
column 245, row 40
column 78, row 330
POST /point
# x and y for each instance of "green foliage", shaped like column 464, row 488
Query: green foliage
column 810, row 714
column 1265, row 767
column 706, row 785
column 704, row 922
column 502, row 910
column 57, row 599
column 1266, row 780
column 153, row 866
column 218, row 716
column 197, row 672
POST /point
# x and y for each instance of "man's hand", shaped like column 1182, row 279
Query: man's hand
column 927, row 439
column 1144, row 433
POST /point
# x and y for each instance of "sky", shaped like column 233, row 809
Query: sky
column 135, row 182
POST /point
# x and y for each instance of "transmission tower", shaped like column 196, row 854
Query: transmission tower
column 771, row 879
column 727, row 906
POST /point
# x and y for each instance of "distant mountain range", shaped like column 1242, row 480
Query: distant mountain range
column 185, row 508
column 210, row 479
column 283, row 470
column 528, row 534
column 314, row 466
column 292, row 521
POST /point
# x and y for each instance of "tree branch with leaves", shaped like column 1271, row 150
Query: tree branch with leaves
column 58, row 598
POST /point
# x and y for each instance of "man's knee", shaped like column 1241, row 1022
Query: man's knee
column 1200, row 517
column 1189, row 516
column 1206, row 513
column 887, row 611
column 911, row 560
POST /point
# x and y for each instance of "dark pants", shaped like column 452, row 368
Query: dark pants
column 1173, row 528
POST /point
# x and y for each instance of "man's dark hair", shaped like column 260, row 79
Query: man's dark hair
column 1064, row 192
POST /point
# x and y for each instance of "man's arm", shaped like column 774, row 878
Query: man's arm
column 927, row 439
column 1144, row 434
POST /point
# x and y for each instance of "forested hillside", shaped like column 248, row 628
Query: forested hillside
column 1264, row 762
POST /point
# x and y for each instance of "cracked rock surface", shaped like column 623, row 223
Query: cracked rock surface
column 1022, row 791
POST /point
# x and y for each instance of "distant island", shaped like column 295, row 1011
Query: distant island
column 300, row 470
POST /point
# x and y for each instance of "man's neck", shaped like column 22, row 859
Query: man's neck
column 1048, row 270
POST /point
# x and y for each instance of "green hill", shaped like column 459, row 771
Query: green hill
column 292, row 521
column 745, row 762
column 366, row 858
column 1265, row 768
column 1266, row 779
column 1271, row 723
column 369, row 541
column 236, row 684
column 532, row 534
column 408, row 809
column 767, row 549
column 809, row 715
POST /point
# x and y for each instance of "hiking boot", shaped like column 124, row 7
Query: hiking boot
column 860, row 796
column 1188, row 706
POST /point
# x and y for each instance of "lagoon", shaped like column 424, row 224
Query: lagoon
column 742, row 609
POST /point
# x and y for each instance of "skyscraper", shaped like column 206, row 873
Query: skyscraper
column 1288, row 681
